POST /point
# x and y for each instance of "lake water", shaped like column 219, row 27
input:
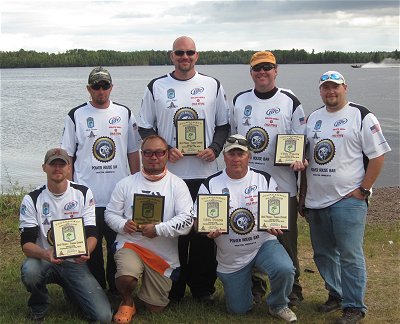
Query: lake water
column 34, row 103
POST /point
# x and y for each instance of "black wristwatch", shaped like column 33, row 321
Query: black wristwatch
column 364, row 191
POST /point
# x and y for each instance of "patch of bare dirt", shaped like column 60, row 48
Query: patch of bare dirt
column 384, row 205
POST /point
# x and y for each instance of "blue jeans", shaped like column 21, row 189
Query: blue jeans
column 337, row 236
column 78, row 283
column 271, row 259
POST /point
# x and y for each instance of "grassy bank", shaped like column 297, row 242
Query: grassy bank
column 382, row 240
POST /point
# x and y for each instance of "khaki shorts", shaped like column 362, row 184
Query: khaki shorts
column 154, row 288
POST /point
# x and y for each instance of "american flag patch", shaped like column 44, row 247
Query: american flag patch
column 374, row 129
column 302, row 121
column 91, row 202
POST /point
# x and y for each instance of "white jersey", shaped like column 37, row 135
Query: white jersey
column 237, row 248
column 99, row 140
column 177, row 220
column 167, row 99
column 337, row 142
column 260, row 120
column 40, row 207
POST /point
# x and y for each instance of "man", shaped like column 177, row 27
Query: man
column 187, row 94
column 260, row 114
column 59, row 199
column 149, row 251
column 245, row 248
column 102, row 141
column 346, row 151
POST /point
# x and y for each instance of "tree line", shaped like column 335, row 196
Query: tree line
column 82, row 58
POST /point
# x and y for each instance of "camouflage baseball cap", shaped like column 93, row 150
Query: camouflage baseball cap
column 99, row 74
column 56, row 154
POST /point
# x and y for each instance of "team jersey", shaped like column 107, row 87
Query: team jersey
column 177, row 219
column 237, row 248
column 167, row 99
column 260, row 120
column 99, row 140
column 40, row 207
column 337, row 143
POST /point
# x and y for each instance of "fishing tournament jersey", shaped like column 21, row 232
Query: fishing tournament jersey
column 177, row 219
column 260, row 120
column 99, row 140
column 40, row 207
column 167, row 99
column 237, row 248
column 337, row 142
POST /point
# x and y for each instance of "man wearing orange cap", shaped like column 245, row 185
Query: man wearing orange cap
column 260, row 114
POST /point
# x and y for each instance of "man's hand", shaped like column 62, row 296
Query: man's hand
column 207, row 155
column 49, row 253
column 214, row 234
column 299, row 166
column 274, row 231
column 174, row 155
column 130, row 227
column 148, row 230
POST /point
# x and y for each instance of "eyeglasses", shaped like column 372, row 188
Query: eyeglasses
column 240, row 141
column 104, row 86
column 148, row 153
column 265, row 67
column 332, row 76
column 181, row 53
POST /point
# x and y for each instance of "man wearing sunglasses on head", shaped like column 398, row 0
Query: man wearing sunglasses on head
column 346, row 152
column 102, row 140
column 260, row 114
column 148, row 252
column 188, row 94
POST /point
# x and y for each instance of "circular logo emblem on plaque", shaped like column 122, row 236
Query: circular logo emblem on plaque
column 104, row 149
column 185, row 113
column 242, row 221
column 258, row 139
column 324, row 151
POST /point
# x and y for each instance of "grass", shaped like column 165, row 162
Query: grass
column 381, row 251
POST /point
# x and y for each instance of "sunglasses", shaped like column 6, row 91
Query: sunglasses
column 148, row 153
column 332, row 76
column 104, row 86
column 240, row 141
column 265, row 67
column 181, row 53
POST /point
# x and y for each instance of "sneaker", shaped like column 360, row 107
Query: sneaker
column 285, row 314
column 350, row 316
column 332, row 304
column 33, row 317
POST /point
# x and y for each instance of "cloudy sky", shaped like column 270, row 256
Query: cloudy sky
column 59, row 25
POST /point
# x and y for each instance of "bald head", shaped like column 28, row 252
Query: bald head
column 183, row 41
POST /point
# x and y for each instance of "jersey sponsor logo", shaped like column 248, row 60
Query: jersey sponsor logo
column 273, row 111
column 242, row 221
column 196, row 91
column 185, row 113
column 22, row 210
column 71, row 205
column 318, row 124
column 247, row 111
column 250, row 189
column 324, row 151
column 104, row 149
column 46, row 209
column 171, row 93
column 91, row 135
column 258, row 139
column 171, row 105
column 340, row 122
column 225, row 191
column 90, row 122
column 114, row 120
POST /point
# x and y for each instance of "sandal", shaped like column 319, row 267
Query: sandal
column 124, row 314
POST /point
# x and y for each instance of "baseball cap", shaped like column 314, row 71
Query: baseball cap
column 99, row 74
column 56, row 154
column 236, row 141
column 332, row 76
column 262, row 57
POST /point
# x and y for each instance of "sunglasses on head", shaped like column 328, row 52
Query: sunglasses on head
column 148, row 153
column 332, row 76
column 104, row 86
column 240, row 141
column 264, row 67
column 181, row 53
